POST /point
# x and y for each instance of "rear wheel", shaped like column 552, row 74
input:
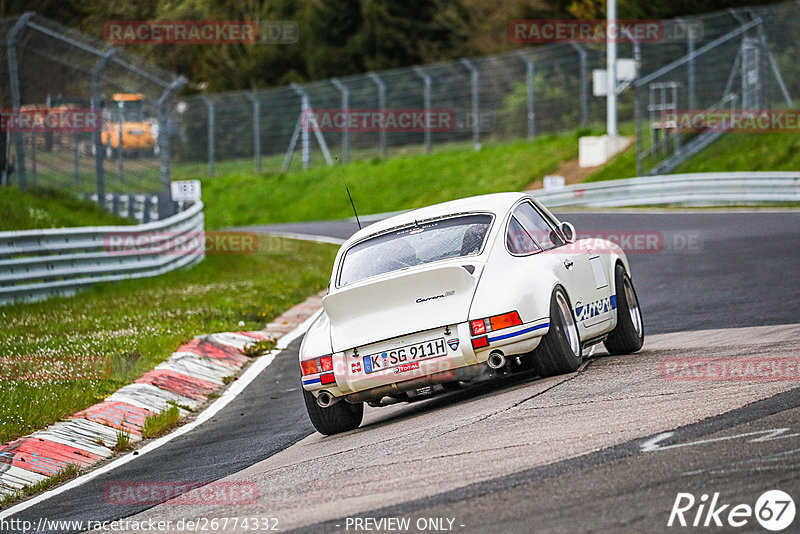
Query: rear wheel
column 559, row 351
column 340, row 417
column 628, row 335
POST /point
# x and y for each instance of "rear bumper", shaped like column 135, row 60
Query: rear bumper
column 462, row 361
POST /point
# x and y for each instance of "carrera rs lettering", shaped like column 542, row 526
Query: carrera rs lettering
column 448, row 294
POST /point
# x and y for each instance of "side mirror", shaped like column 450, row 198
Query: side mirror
column 568, row 231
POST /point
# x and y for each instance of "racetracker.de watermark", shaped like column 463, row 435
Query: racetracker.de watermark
column 44, row 120
column 744, row 120
column 611, row 241
column 180, row 493
column 600, row 31
column 377, row 120
column 51, row 369
column 747, row 369
column 194, row 242
column 121, row 32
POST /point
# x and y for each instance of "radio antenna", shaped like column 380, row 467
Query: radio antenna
column 341, row 175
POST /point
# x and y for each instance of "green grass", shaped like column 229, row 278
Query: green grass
column 733, row 152
column 155, row 425
column 49, row 208
column 748, row 152
column 380, row 185
column 137, row 324
column 69, row 472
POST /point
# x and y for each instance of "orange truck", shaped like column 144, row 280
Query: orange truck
column 125, row 117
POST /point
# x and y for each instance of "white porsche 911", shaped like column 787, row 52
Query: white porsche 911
column 442, row 296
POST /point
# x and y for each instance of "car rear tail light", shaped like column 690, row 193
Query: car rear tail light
column 478, row 327
column 317, row 365
column 480, row 342
column 326, row 363
column 327, row 378
column 309, row 367
column 505, row 320
column 496, row 322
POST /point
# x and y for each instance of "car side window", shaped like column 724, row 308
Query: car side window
column 519, row 240
column 537, row 226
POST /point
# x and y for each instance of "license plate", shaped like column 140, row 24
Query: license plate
column 404, row 355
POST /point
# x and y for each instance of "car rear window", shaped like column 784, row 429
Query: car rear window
column 417, row 244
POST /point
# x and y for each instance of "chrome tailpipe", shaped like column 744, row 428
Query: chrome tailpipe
column 326, row 400
column 496, row 360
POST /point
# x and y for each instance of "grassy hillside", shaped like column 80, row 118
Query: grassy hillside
column 382, row 185
column 49, row 208
column 732, row 152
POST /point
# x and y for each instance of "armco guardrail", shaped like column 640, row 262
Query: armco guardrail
column 700, row 189
column 36, row 264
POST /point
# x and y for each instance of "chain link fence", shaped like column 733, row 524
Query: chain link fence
column 536, row 91
column 744, row 57
column 70, row 82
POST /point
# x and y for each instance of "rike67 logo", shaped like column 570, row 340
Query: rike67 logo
column 774, row 510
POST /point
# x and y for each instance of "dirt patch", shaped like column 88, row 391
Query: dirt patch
column 570, row 170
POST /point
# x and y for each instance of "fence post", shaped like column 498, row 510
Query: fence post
column 211, row 125
column 426, row 97
column 584, row 89
column 76, row 159
column 97, row 136
column 529, row 80
column 165, row 208
column 690, row 66
column 304, row 123
column 120, row 165
column 382, row 108
column 16, row 99
column 256, row 130
column 346, row 108
column 476, row 110
column 637, row 117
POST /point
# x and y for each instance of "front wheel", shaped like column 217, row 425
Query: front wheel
column 560, row 351
column 340, row 417
column 628, row 335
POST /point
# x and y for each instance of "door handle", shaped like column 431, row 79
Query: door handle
column 568, row 264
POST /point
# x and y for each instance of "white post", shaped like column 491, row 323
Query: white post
column 611, row 66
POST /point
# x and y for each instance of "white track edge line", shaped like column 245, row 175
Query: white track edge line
column 230, row 394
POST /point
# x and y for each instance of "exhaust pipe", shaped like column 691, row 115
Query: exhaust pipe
column 326, row 400
column 496, row 360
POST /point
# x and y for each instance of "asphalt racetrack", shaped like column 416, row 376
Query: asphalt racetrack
column 606, row 449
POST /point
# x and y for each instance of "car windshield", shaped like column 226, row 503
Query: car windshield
column 417, row 244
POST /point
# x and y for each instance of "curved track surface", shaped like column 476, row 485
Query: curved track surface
column 585, row 451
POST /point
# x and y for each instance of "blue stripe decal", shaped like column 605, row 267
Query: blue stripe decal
column 520, row 332
column 313, row 381
column 613, row 302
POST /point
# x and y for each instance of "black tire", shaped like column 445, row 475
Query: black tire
column 557, row 353
column 340, row 417
column 628, row 336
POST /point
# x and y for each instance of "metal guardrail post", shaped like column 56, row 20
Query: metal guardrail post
column 426, row 98
column 382, row 108
column 256, row 130
column 166, row 207
column 476, row 110
column 97, row 137
column 529, row 81
column 211, row 126
column 583, row 79
column 346, row 109
column 16, row 99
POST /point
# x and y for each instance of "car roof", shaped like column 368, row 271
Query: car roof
column 497, row 203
